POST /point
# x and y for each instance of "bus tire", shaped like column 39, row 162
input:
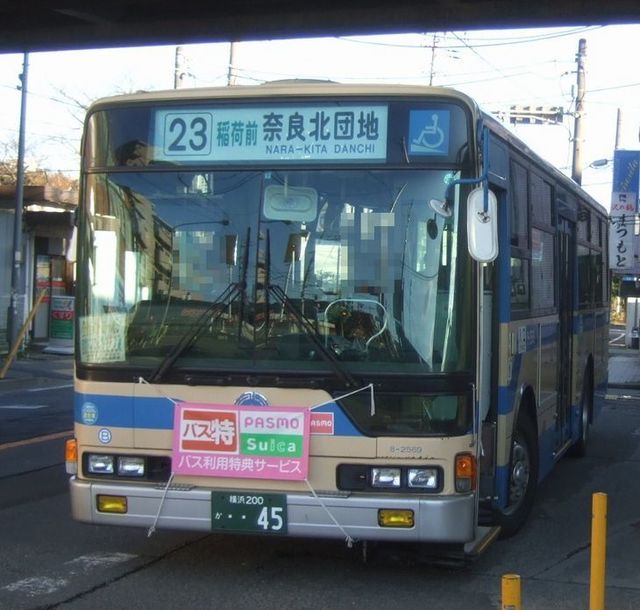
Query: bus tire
column 523, row 477
column 579, row 448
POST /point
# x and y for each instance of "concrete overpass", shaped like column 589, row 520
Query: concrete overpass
column 39, row 25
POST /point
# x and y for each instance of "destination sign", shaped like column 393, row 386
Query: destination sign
column 327, row 132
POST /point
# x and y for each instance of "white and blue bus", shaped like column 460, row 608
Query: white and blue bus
column 333, row 311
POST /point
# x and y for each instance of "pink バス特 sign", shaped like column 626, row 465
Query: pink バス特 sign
column 241, row 441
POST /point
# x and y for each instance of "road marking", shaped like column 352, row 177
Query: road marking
column 23, row 407
column 37, row 439
column 80, row 566
column 53, row 387
column 37, row 585
column 85, row 564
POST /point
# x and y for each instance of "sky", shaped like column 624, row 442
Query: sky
column 499, row 68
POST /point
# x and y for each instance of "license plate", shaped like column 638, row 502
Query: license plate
column 249, row 513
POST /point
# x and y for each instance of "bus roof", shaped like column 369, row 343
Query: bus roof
column 285, row 88
column 301, row 88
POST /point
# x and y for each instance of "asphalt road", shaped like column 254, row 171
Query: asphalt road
column 49, row 561
column 32, row 412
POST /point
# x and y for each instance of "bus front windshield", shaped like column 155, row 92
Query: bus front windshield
column 281, row 271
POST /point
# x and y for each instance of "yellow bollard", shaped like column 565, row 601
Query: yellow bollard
column 511, row 599
column 598, row 551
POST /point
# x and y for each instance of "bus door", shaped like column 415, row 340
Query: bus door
column 565, row 283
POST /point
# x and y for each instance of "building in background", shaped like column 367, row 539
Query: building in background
column 47, row 236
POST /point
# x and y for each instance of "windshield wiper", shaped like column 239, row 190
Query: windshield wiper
column 205, row 319
column 228, row 296
column 326, row 354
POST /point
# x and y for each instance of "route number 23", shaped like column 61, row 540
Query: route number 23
column 188, row 134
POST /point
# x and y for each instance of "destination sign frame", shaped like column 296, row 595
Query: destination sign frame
column 300, row 132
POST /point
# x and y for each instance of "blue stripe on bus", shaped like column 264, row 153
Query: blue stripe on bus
column 505, row 400
column 341, row 423
column 153, row 413
column 124, row 411
column 156, row 413
column 587, row 322
column 547, row 442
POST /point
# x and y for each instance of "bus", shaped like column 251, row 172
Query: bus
column 319, row 310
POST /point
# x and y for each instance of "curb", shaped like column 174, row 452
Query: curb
column 624, row 386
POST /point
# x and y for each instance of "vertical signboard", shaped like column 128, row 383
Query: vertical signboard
column 61, row 321
column 624, row 209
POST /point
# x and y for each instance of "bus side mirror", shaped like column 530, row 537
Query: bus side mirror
column 482, row 224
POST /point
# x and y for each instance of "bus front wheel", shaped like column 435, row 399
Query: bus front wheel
column 523, row 477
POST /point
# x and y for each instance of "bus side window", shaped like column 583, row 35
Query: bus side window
column 520, row 244
column 519, row 206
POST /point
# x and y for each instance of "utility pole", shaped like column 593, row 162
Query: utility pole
column 179, row 71
column 231, row 76
column 433, row 59
column 17, row 284
column 618, row 129
column 578, row 137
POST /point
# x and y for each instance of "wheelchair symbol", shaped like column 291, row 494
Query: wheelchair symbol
column 431, row 137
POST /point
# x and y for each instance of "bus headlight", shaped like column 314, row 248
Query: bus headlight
column 385, row 477
column 130, row 466
column 100, row 464
column 156, row 468
column 423, row 478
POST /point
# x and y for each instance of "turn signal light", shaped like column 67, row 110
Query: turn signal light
column 466, row 471
column 71, row 456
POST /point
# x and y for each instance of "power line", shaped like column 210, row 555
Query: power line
column 529, row 67
column 46, row 97
column 483, row 59
column 519, row 39
column 613, row 87
column 500, row 41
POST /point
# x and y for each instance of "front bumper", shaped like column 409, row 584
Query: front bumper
column 438, row 519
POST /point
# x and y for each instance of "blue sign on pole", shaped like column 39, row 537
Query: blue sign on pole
column 624, row 207
column 626, row 175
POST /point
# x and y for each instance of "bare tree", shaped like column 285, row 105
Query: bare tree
column 9, row 165
column 34, row 174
